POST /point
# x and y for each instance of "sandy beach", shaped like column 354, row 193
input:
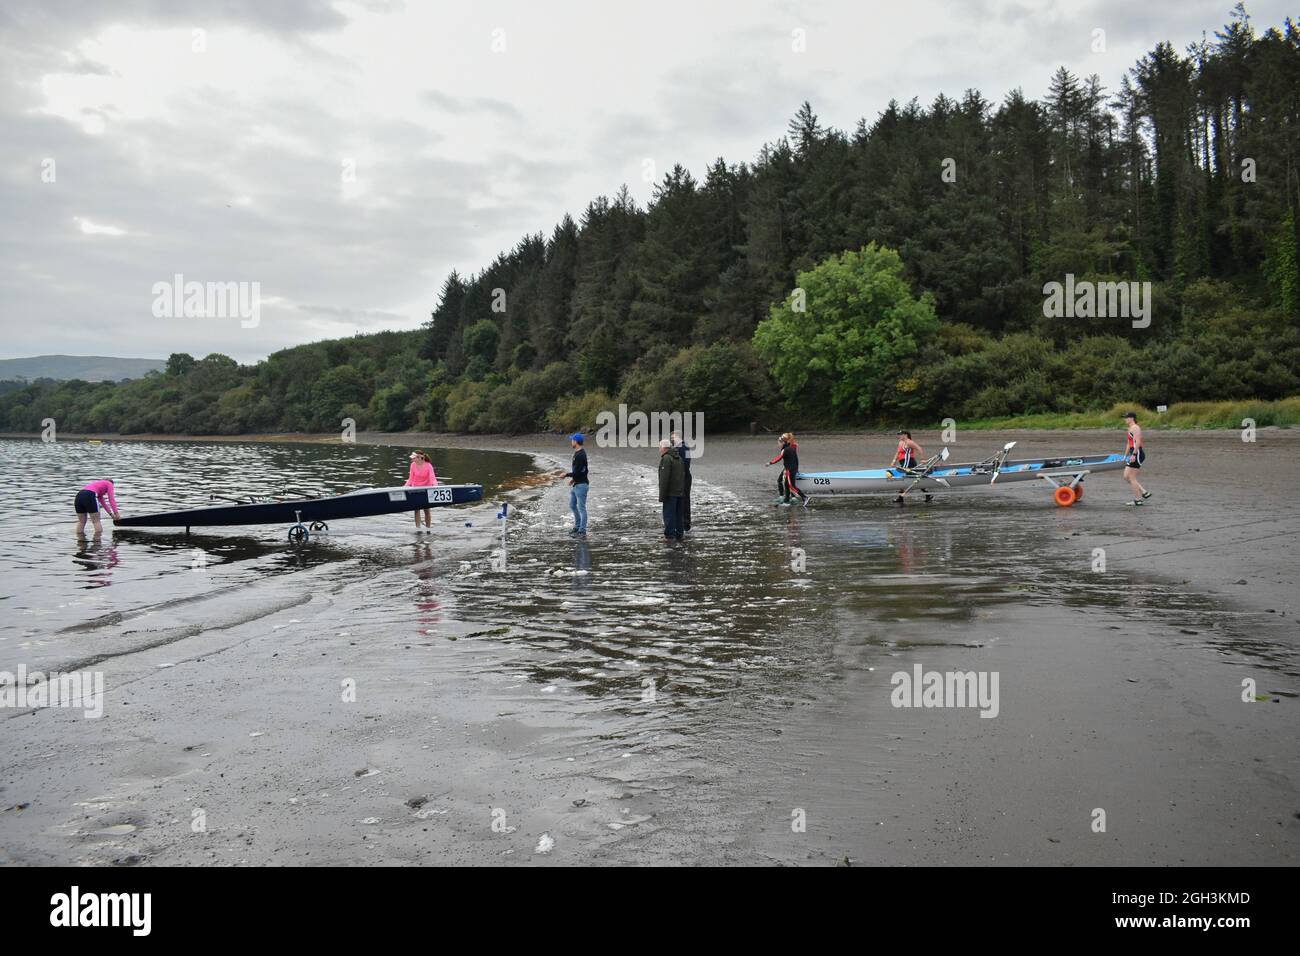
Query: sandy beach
column 620, row 701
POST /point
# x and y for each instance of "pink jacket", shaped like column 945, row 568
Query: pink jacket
column 422, row 475
column 103, row 490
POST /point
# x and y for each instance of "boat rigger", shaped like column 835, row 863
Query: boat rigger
column 309, row 513
column 1065, row 474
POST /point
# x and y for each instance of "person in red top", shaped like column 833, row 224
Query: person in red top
column 422, row 476
column 1135, row 454
column 789, row 458
column 908, row 453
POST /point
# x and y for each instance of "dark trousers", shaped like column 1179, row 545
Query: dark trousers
column 671, row 506
column 684, row 512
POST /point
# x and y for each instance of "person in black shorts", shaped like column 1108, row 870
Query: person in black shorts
column 1135, row 454
column 86, row 504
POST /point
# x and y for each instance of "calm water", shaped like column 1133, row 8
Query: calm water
column 60, row 595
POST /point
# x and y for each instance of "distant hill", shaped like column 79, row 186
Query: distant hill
column 89, row 368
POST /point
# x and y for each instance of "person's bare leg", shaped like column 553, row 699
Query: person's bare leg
column 81, row 522
column 99, row 525
column 1130, row 475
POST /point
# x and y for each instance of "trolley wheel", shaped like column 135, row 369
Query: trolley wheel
column 319, row 526
column 929, row 497
column 298, row 534
column 1065, row 496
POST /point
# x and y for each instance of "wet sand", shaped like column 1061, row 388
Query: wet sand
column 520, row 718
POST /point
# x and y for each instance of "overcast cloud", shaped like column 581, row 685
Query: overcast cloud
column 227, row 164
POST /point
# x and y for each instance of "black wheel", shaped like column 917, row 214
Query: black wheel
column 319, row 526
column 929, row 497
column 298, row 534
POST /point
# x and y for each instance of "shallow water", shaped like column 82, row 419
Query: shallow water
column 649, row 701
column 58, row 590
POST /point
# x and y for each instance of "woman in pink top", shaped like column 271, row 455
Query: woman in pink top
column 87, row 503
column 422, row 476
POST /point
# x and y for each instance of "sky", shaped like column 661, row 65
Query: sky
column 346, row 156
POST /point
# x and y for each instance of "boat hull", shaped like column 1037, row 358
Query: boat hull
column 365, row 503
column 960, row 477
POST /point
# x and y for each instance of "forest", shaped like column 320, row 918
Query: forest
column 922, row 240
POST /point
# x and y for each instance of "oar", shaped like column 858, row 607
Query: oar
column 1002, row 458
column 246, row 500
column 925, row 470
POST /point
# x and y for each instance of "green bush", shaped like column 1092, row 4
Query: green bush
column 1095, row 369
column 724, row 381
column 578, row 412
column 466, row 404
column 521, row 405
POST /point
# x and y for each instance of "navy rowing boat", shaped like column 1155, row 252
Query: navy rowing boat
column 299, row 512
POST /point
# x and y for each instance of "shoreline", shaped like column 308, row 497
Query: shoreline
column 495, row 439
column 1181, row 551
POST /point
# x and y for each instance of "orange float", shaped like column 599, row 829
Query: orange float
column 1065, row 496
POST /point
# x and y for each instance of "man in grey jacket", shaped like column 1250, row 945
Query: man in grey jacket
column 672, row 484
column 684, row 506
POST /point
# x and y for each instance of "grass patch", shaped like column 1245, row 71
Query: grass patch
column 1283, row 413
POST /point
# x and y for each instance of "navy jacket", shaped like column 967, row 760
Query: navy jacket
column 579, row 472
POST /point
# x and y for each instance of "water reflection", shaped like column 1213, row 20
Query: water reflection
column 581, row 563
column 97, row 559
column 428, row 607
column 777, row 600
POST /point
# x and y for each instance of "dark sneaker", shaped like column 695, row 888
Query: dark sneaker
column 1145, row 495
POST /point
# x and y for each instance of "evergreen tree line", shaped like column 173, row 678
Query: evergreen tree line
column 1186, row 175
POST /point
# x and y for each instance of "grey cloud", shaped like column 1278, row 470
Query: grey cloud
column 461, row 106
column 429, row 197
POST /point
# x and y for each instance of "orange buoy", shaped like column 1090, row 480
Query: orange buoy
column 1065, row 496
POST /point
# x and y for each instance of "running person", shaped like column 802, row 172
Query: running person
column 789, row 458
column 89, row 498
column 422, row 476
column 908, row 453
column 1134, row 454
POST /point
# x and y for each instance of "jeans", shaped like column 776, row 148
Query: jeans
column 671, row 528
column 578, row 505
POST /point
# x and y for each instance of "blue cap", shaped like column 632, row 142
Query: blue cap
column 577, row 436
